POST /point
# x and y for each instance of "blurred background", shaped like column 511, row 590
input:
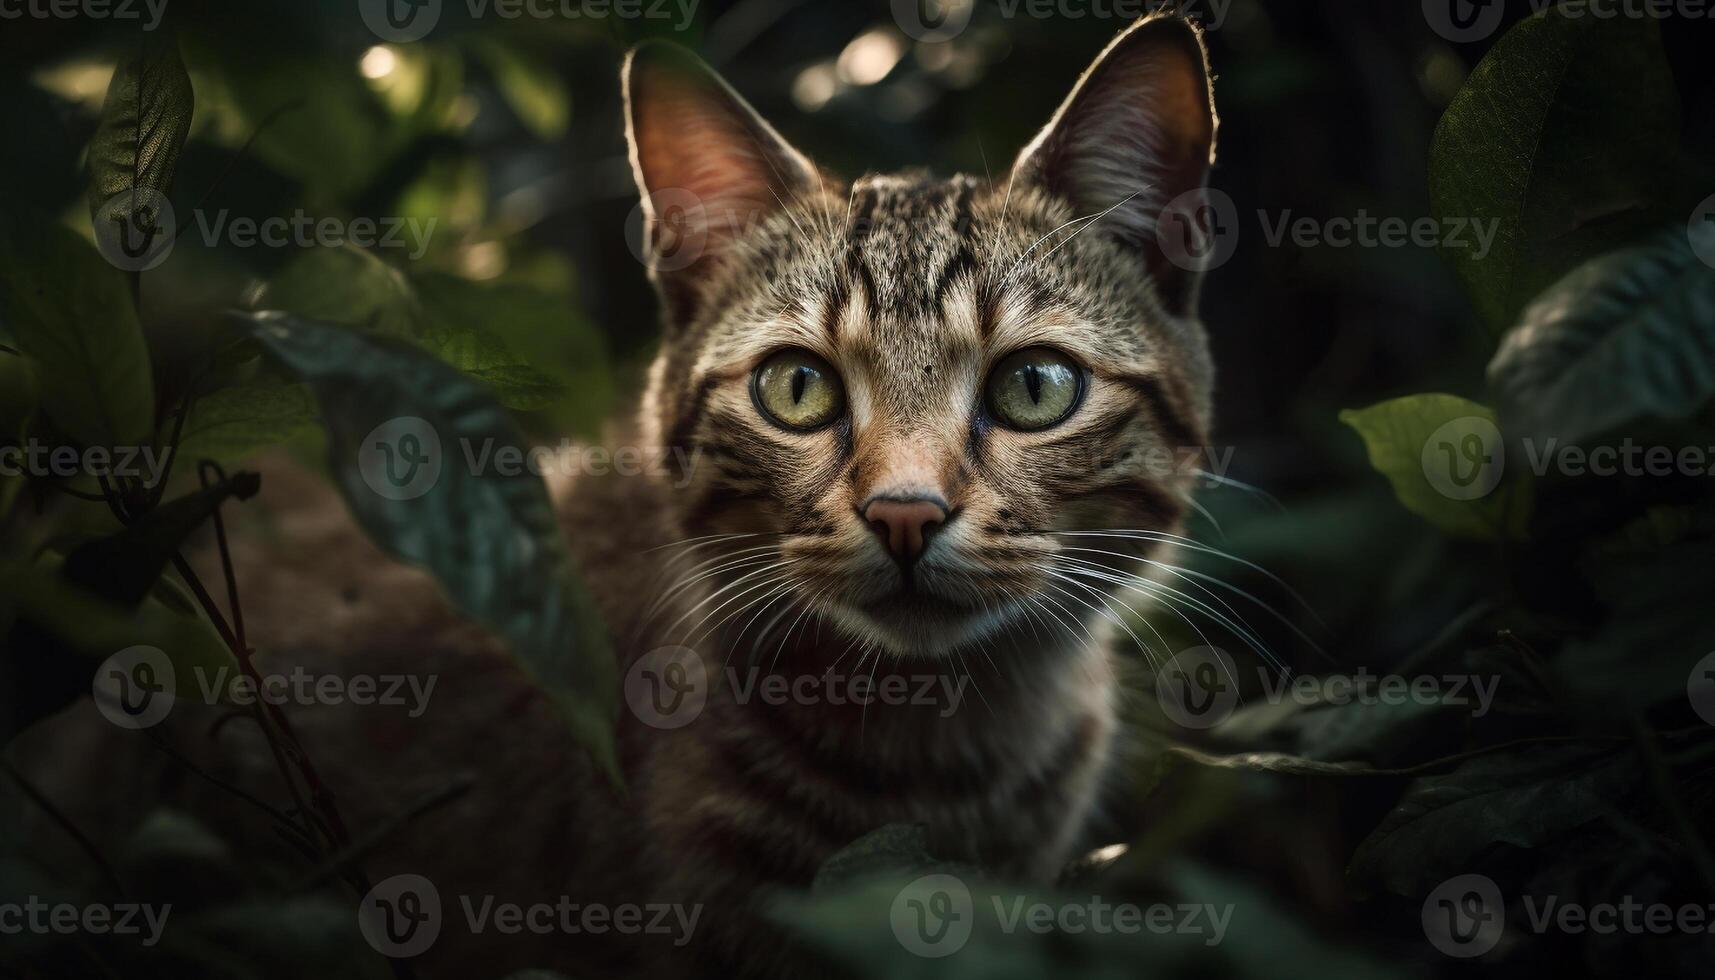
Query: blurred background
column 508, row 135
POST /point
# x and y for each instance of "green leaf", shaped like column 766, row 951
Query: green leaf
column 1627, row 336
column 143, row 125
column 353, row 287
column 489, row 536
column 894, row 848
column 123, row 567
column 327, row 125
column 1447, row 463
column 865, row 925
column 537, row 96
column 1521, row 798
column 72, row 314
column 233, row 424
column 1566, row 136
column 58, row 633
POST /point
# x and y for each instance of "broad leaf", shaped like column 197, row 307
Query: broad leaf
column 1447, row 463
column 1565, row 136
column 71, row 313
column 123, row 567
column 143, row 125
column 403, row 429
column 233, row 424
column 56, row 634
column 1520, row 798
column 1628, row 336
column 940, row 924
column 353, row 287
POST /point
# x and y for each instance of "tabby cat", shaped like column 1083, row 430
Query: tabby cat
column 901, row 398
column 901, row 392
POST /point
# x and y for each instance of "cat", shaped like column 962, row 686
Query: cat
column 898, row 390
column 900, row 400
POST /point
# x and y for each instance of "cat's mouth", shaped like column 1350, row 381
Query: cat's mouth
column 918, row 622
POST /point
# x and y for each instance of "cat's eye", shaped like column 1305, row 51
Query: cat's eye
column 798, row 390
column 1034, row 389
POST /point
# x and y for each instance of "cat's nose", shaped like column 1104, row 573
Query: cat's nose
column 904, row 526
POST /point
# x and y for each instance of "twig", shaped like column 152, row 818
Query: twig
column 361, row 848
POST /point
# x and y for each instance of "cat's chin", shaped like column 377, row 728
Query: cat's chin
column 914, row 624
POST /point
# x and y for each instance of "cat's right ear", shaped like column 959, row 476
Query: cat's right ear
column 707, row 166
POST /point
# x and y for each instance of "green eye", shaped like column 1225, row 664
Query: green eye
column 798, row 390
column 1034, row 389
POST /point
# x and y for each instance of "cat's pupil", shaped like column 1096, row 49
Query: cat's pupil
column 800, row 378
column 1033, row 383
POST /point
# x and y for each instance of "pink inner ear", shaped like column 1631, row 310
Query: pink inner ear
column 687, row 143
column 1141, row 126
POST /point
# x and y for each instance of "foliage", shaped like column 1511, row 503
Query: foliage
column 1323, row 822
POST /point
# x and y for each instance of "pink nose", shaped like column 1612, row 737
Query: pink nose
column 904, row 526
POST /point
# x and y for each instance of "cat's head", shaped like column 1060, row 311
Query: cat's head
column 907, row 389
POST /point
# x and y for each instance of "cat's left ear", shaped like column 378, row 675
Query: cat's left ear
column 1137, row 132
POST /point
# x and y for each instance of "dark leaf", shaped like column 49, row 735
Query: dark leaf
column 403, row 428
column 1566, row 134
column 142, row 127
column 1630, row 335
